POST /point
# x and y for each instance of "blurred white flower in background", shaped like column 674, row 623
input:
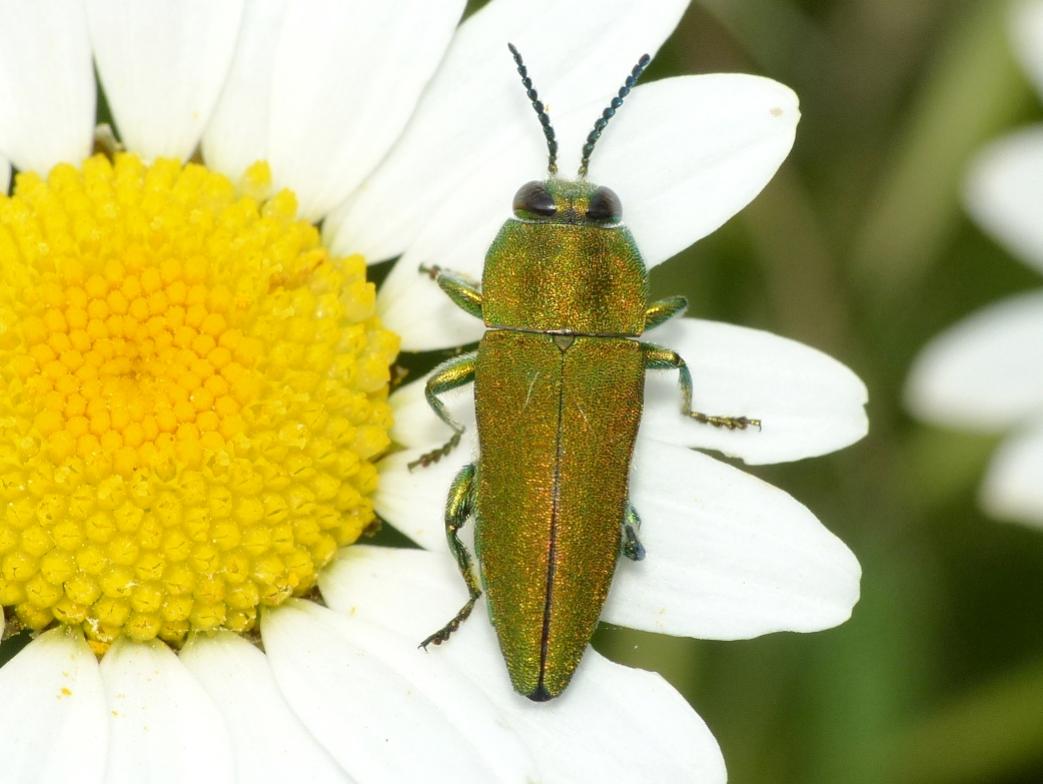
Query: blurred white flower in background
column 986, row 372
column 405, row 136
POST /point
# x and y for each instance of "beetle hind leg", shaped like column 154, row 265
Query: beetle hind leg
column 452, row 373
column 631, row 546
column 659, row 358
column 458, row 508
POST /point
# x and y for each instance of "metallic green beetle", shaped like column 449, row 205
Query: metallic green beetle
column 559, row 382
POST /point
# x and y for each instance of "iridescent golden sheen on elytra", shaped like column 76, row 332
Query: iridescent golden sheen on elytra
column 556, row 432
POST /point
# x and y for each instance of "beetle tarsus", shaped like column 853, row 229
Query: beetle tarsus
column 432, row 271
column 731, row 423
column 632, row 547
column 442, row 634
column 659, row 358
column 432, row 457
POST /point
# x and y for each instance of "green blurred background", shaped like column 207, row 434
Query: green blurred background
column 860, row 247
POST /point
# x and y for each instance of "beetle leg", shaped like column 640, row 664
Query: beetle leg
column 664, row 309
column 458, row 507
column 452, row 373
column 462, row 290
column 659, row 358
column 632, row 547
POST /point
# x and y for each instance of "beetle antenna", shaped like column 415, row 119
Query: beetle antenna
column 541, row 112
column 610, row 110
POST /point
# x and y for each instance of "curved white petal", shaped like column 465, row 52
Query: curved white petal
column 613, row 723
column 728, row 556
column 5, row 176
column 238, row 132
column 986, row 372
column 163, row 726
column 690, row 152
column 384, row 710
column 1026, row 27
column 54, row 722
column 464, row 125
column 1004, row 188
column 809, row 403
column 684, row 156
column 162, row 65
column 47, row 91
column 348, row 74
column 271, row 745
column 1012, row 488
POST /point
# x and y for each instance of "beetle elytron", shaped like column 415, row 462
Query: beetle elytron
column 559, row 383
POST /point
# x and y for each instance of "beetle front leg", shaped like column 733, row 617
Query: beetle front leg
column 458, row 508
column 664, row 309
column 659, row 358
column 450, row 374
column 462, row 290
column 632, row 547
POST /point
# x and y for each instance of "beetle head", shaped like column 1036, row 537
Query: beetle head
column 565, row 201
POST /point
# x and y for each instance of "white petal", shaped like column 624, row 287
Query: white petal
column 384, row 710
column 577, row 52
column 47, row 92
column 728, row 556
column 613, row 723
column 809, row 403
column 987, row 371
column 270, row 743
column 1003, row 189
column 412, row 501
column 162, row 65
column 238, row 132
column 347, row 77
column 1012, row 488
column 54, row 723
column 684, row 156
column 1026, row 27
column 5, row 177
column 163, row 726
column 691, row 152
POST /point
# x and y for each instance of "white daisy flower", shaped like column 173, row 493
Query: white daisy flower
column 193, row 391
column 986, row 372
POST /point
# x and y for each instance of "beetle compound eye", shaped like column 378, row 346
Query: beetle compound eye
column 604, row 206
column 533, row 198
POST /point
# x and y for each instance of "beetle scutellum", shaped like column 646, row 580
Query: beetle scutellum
column 559, row 382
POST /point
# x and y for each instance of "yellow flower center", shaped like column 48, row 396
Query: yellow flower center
column 192, row 393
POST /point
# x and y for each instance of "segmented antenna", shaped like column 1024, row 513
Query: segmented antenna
column 610, row 110
column 548, row 129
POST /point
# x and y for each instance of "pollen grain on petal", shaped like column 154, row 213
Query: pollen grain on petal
column 192, row 395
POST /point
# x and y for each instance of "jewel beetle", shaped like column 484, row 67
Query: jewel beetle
column 558, row 388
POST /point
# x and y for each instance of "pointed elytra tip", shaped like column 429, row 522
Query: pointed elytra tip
column 540, row 694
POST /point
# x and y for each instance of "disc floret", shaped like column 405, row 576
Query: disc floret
column 192, row 394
